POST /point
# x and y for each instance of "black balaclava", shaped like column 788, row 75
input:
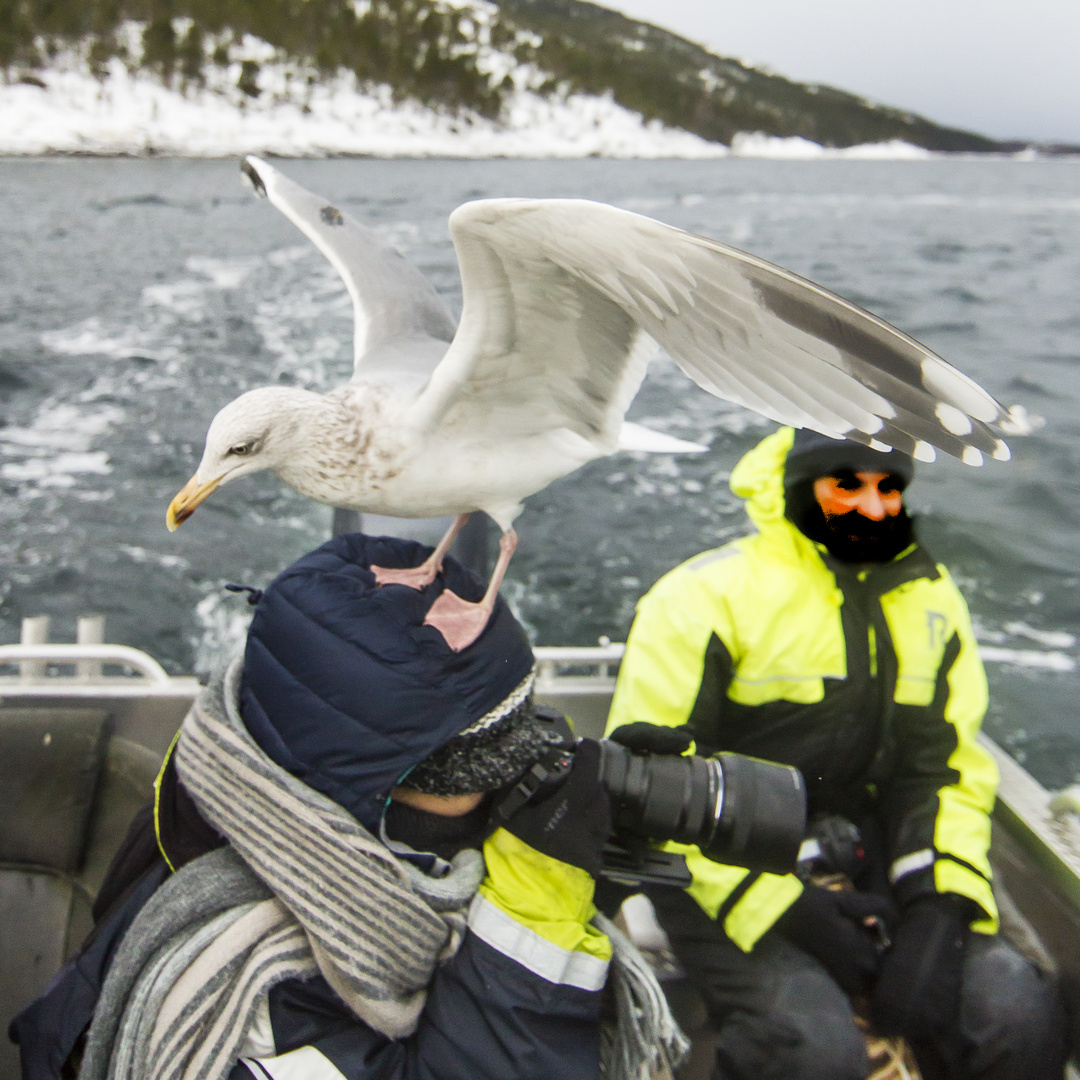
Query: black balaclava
column 485, row 757
column 849, row 537
column 439, row 834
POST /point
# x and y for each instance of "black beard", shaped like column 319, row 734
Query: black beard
column 849, row 537
column 856, row 539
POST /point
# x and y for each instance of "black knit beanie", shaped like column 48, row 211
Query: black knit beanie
column 813, row 454
column 489, row 753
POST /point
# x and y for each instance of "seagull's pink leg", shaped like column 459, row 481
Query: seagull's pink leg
column 419, row 577
column 462, row 622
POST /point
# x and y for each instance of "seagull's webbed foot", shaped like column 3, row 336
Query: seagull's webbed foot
column 420, row 577
column 461, row 622
column 416, row 577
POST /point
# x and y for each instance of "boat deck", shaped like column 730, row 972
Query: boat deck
column 50, row 687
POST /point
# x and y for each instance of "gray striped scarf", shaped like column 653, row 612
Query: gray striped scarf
column 311, row 891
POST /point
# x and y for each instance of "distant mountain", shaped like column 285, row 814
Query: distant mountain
column 467, row 58
column 667, row 78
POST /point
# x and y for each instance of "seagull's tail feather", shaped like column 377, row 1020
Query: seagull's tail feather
column 638, row 437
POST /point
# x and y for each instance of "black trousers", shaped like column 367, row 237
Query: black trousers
column 778, row 1015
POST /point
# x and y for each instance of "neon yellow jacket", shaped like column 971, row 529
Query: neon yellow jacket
column 869, row 681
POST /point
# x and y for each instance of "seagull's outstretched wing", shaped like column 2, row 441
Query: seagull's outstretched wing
column 393, row 302
column 557, row 293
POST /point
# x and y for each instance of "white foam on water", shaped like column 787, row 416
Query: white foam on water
column 169, row 307
column 1052, row 639
column 92, row 338
column 285, row 256
column 188, row 297
column 739, row 421
column 1027, row 658
column 292, row 322
column 61, row 427
column 166, row 562
column 223, row 273
column 400, row 235
column 997, row 646
column 223, row 619
column 59, row 471
column 1018, row 422
column 56, row 448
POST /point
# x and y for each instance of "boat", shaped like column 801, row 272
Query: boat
column 84, row 727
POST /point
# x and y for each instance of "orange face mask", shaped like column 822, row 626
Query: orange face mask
column 875, row 495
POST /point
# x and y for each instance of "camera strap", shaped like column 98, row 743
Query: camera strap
column 554, row 763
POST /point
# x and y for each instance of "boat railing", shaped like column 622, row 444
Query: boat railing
column 1045, row 823
column 37, row 666
column 573, row 669
column 84, row 663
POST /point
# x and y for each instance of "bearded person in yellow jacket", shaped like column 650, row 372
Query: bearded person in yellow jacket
column 831, row 640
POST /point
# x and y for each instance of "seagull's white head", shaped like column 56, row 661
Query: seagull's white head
column 262, row 429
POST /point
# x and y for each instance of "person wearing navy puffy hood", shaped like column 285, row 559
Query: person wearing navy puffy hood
column 335, row 887
column 347, row 688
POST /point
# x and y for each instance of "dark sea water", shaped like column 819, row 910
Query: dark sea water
column 139, row 296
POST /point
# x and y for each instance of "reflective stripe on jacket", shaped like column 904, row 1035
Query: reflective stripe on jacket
column 520, row 998
column 866, row 680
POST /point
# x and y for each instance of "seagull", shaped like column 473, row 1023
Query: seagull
column 565, row 302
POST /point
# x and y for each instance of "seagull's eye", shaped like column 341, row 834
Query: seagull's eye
column 239, row 450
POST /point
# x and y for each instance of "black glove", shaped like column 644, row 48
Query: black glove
column 568, row 816
column 918, row 991
column 641, row 737
column 842, row 929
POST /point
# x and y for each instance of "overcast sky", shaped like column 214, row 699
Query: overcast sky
column 1006, row 68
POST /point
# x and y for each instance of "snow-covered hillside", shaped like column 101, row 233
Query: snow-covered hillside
column 465, row 78
column 134, row 113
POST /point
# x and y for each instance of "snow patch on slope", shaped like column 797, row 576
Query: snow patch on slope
column 759, row 145
column 294, row 111
column 133, row 113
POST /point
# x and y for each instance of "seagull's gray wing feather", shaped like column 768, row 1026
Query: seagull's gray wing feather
column 393, row 303
column 538, row 349
column 740, row 327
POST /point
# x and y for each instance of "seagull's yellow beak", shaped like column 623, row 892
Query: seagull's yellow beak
column 186, row 501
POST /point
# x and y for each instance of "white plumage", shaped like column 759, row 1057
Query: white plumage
column 564, row 304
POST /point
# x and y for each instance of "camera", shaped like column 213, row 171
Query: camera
column 738, row 810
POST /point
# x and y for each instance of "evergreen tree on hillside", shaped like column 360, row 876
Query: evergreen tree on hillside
column 428, row 51
column 416, row 47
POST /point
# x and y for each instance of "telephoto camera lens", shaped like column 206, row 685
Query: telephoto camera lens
column 736, row 809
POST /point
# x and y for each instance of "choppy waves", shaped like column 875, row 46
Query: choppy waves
column 103, row 405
